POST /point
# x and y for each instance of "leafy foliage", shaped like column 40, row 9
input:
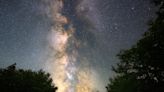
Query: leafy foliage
column 141, row 68
column 126, row 83
column 18, row 80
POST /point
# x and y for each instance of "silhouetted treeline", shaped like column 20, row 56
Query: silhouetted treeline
column 19, row 80
column 141, row 68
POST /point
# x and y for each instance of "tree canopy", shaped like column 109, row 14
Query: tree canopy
column 141, row 68
column 19, row 80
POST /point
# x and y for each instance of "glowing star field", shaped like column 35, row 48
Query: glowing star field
column 76, row 41
column 65, row 73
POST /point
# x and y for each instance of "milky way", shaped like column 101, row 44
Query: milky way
column 63, row 70
column 75, row 40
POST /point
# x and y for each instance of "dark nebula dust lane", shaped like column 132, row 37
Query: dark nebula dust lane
column 75, row 40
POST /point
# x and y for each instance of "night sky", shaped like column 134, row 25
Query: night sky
column 101, row 29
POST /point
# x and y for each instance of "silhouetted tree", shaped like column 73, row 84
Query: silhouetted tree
column 19, row 80
column 126, row 83
column 144, row 62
